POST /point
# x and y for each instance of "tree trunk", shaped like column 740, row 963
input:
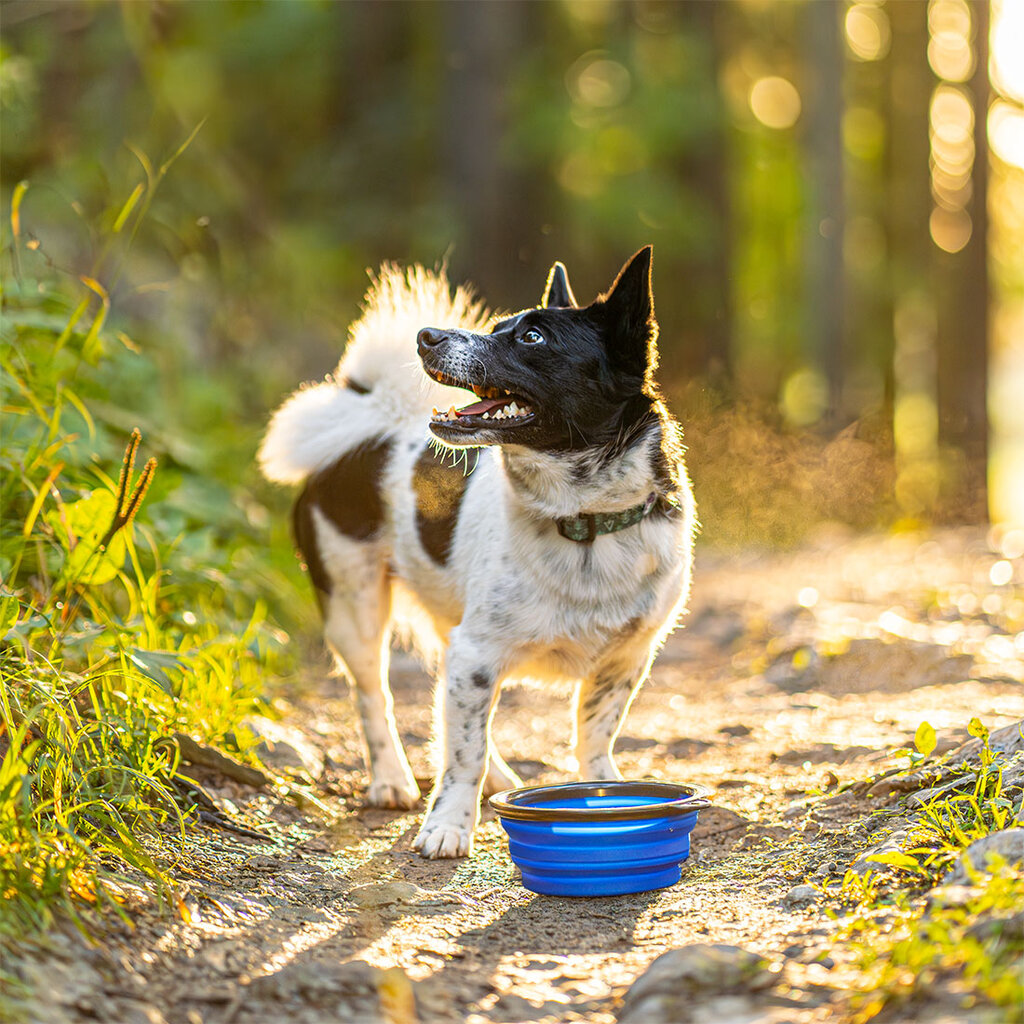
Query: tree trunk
column 824, row 216
column 963, row 291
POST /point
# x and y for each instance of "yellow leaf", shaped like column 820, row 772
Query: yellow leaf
column 33, row 512
column 924, row 739
column 19, row 193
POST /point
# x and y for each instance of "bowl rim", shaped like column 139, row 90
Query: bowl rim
column 511, row 803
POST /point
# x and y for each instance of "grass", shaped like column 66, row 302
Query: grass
column 130, row 598
column 909, row 949
column 908, row 953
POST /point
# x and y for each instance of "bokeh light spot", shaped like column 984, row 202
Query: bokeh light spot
column 950, row 229
column 804, row 397
column 867, row 32
column 1001, row 573
column 596, row 80
column 775, row 102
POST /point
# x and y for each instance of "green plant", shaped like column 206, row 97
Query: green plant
column 906, row 952
column 906, row 949
column 120, row 622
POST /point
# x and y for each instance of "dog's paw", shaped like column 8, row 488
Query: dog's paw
column 401, row 795
column 442, row 840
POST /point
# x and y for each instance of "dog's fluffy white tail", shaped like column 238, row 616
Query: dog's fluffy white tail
column 379, row 384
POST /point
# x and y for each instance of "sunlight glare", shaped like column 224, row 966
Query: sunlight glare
column 1006, row 132
column 1007, row 60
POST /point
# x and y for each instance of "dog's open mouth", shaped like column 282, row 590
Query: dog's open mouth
column 496, row 406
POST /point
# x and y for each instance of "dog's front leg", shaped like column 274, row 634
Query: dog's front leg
column 601, row 706
column 471, row 685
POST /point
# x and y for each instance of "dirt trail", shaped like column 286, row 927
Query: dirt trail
column 794, row 674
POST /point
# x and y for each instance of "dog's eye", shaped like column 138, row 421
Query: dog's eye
column 532, row 337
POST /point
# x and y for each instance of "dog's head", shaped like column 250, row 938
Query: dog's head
column 557, row 377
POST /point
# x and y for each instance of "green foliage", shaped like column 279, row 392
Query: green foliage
column 905, row 951
column 972, row 805
column 130, row 604
column 905, row 948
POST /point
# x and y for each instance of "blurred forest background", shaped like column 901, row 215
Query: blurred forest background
column 193, row 193
column 834, row 192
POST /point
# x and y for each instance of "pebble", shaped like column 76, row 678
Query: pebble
column 383, row 894
column 800, row 896
column 1007, row 844
column 664, row 993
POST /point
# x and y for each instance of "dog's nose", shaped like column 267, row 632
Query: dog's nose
column 430, row 337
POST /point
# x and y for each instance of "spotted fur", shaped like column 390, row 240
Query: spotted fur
column 465, row 555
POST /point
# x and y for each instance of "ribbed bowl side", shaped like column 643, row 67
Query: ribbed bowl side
column 585, row 859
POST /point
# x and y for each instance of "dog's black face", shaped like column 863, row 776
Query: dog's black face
column 558, row 377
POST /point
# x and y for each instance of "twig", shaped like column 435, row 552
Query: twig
column 208, row 757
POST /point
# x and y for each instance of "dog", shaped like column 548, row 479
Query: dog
column 543, row 529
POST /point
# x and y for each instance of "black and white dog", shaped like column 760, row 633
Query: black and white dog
column 547, row 536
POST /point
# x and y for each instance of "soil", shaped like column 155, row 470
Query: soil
column 795, row 675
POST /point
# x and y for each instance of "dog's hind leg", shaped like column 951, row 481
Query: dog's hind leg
column 601, row 706
column 499, row 775
column 358, row 630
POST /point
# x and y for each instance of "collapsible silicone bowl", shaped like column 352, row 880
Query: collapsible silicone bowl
column 600, row 838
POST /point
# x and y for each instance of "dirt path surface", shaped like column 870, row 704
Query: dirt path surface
column 794, row 675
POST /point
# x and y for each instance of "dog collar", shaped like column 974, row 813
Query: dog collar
column 588, row 525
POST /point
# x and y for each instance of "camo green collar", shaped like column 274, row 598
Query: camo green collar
column 588, row 525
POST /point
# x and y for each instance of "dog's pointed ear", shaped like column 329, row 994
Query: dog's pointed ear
column 630, row 304
column 558, row 292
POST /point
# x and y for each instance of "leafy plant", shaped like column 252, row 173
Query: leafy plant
column 121, row 621
column 905, row 948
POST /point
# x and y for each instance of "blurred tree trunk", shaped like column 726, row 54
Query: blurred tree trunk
column 712, row 278
column 486, row 192
column 824, row 215
column 963, row 296
column 909, row 199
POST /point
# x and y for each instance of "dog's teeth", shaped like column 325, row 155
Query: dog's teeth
column 513, row 409
column 486, row 416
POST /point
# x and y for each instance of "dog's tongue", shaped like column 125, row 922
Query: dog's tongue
column 484, row 405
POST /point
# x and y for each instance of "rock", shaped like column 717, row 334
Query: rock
column 683, row 747
column 627, row 743
column 891, row 844
column 513, row 1007
column 799, row 896
column 285, row 747
column 355, row 992
column 1006, row 740
column 385, row 894
column 1004, row 929
column 666, row 992
column 717, row 820
column 823, row 753
column 945, row 896
column 1008, row 844
column 131, row 1011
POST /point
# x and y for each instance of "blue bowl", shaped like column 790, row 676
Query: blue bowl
column 600, row 838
